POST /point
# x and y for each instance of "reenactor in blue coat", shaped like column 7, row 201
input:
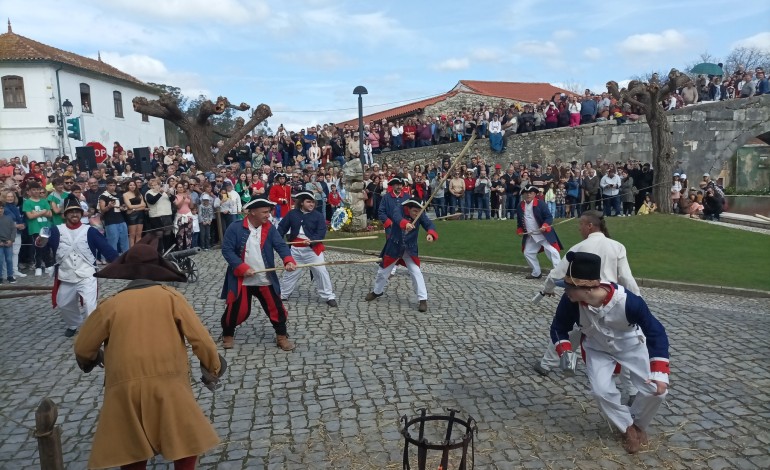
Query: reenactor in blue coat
column 305, row 226
column 401, row 248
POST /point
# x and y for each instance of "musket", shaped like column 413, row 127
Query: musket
column 333, row 240
column 328, row 263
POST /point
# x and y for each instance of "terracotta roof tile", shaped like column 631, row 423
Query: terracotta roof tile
column 14, row 47
column 400, row 111
column 519, row 91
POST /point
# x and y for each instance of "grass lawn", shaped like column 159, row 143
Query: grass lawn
column 659, row 247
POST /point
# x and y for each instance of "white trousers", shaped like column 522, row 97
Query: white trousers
column 531, row 249
column 550, row 361
column 16, row 250
column 305, row 255
column 634, row 358
column 68, row 301
column 418, row 282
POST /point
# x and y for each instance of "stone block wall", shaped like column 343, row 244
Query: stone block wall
column 705, row 137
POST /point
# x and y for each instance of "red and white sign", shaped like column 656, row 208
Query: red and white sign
column 101, row 152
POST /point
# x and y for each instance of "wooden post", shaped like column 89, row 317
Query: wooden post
column 48, row 436
column 220, row 230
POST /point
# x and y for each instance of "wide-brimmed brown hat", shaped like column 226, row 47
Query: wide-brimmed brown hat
column 142, row 261
column 584, row 269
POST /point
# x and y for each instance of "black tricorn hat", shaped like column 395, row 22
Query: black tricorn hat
column 142, row 261
column 257, row 203
column 412, row 203
column 585, row 269
column 71, row 203
column 304, row 195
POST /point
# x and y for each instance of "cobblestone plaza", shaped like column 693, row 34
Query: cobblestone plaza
column 335, row 402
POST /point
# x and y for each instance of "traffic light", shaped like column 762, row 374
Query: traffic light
column 73, row 128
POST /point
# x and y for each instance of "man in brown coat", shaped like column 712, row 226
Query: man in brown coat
column 149, row 407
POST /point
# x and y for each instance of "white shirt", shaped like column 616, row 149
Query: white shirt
column 531, row 223
column 607, row 181
column 253, row 258
column 396, row 131
column 614, row 267
column 495, row 127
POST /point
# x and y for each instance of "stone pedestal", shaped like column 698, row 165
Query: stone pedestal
column 354, row 182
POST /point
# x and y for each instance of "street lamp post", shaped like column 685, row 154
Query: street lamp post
column 65, row 111
column 360, row 90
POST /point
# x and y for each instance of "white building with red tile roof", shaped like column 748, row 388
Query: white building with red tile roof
column 37, row 78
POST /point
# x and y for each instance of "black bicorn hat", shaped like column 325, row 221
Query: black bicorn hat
column 585, row 269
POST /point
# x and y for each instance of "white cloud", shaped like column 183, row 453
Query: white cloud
column 759, row 40
column 453, row 64
column 653, row 43
column 592, row 53
column 563, row 34
column 537, row 48
column 484, row 54
column 150, row 69
column 231, row 11
column 323, row 59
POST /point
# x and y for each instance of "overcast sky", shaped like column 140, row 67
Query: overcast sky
column 308, row 55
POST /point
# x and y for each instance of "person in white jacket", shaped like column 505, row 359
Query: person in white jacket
column 230, row 204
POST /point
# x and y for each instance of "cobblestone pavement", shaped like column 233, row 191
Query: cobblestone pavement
column 335, row 402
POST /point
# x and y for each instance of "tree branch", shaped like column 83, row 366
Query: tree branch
column 676, row 80
column 241, row 129
column 641, row 91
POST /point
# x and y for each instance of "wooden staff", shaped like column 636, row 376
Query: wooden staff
column 552, row 226
column 328, row 263
column 334, row 240
column 443, row 180
column 456, row 215
column 12, row 287
column 22, row 294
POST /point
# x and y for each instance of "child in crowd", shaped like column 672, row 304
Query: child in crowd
column 205, row 218
column 676, row 191
column 196, row 227
column 550, row 198
column 7, row 237
column 648, row 207
column 560, row 198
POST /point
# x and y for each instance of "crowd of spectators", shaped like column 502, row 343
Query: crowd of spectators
column 190, row 206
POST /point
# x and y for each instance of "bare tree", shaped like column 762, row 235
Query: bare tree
column 647, row 97
column 749, row 57
column 198, row 129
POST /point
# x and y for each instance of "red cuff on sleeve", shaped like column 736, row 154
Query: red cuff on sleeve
column 562, row 347
column 660, row 366
column 241, row 269
column 519, row 231
column 387, row 223
column 403, row 223
column 288, row 259
column 546, row 227
column 434, row 234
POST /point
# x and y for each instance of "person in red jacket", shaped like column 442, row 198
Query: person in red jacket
column 280, row 194
column 334, row 200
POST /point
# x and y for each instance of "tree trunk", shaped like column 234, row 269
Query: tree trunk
column 662, row 157
column 200, row 143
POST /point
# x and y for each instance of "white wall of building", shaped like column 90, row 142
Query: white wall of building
column 27, row 131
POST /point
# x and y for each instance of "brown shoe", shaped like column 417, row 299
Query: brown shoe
column 643, row 439
column 423, row 307
column 371, row 296
column 228, row 342
column 631, row 442
column 283, row 342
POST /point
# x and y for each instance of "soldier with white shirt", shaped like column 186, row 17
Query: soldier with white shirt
column 248, row 247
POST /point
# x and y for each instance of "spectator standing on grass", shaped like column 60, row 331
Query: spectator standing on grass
column 610, row 184
column 627, row 193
